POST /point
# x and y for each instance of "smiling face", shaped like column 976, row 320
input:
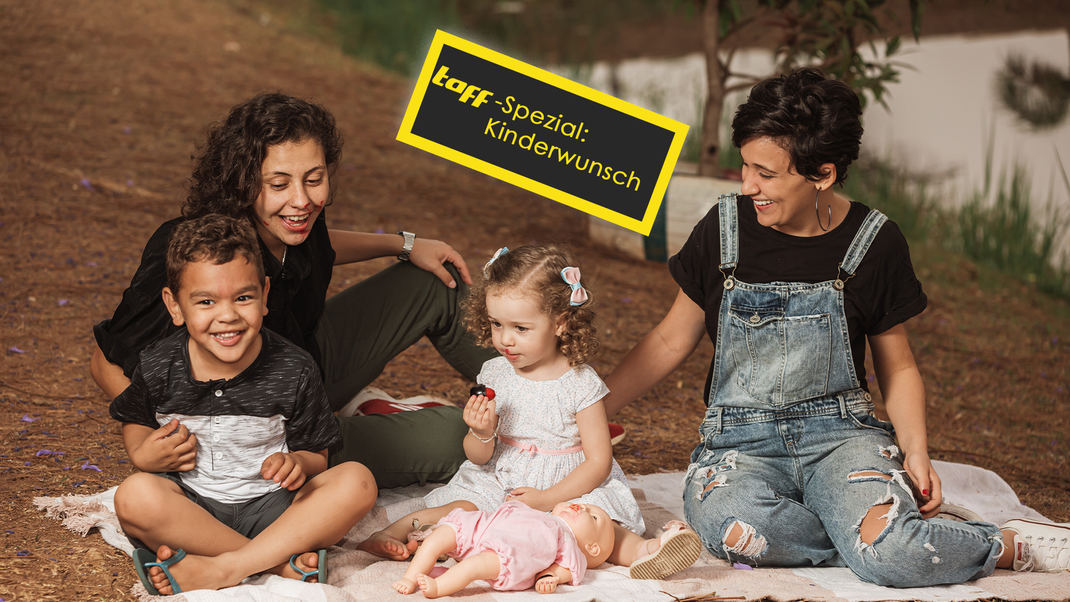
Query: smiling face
column 222, row 307
column 293, row 192
column 783, row 199
column 592, row 527
column 526, row 336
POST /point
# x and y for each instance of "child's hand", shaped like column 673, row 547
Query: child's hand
column 480, row 416
column 551, row 577
column 532, row 498
column 170, row 448
column 546, row 584
column 285, row 470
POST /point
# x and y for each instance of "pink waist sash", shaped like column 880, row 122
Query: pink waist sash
column 532, row 450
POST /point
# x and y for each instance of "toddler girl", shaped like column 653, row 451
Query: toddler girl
column 543, row 438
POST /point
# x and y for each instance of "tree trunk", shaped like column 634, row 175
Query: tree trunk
column 710, row 154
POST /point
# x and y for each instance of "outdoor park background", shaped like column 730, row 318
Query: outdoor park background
column 103, row 102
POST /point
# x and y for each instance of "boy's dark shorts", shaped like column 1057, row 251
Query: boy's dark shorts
column 247, row 518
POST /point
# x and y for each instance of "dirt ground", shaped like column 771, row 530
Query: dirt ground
column 102, row 103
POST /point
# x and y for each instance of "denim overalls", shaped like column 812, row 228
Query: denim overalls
column 791, row 450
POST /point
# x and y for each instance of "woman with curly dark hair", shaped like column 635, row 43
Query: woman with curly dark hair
column 271, row 162
column 791, row 280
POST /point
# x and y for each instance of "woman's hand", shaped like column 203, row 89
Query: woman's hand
column 904, row 399
column 926, row 483
column 429, row 255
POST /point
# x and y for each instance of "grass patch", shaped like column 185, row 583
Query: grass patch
column 397, row 34
column 1000, row 229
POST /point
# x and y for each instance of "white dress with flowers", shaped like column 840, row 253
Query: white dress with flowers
column 542, row 414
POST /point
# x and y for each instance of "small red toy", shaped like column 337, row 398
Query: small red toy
column 482, row 390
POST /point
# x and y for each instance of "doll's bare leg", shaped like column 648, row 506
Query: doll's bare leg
column 484, row 565
column 442, row 540
column 626, row 546
column 392, row 542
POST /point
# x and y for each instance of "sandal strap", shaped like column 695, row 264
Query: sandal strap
column 306, row 574
column 164, row 564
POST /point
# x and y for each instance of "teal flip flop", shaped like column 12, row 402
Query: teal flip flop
column 145, row 559
column 321, row 567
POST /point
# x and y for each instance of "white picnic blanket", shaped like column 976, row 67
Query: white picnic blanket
column 356, row 575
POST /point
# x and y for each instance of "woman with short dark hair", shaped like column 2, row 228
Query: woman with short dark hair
column 791, row 280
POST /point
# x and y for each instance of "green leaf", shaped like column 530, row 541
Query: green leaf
column 892, row 46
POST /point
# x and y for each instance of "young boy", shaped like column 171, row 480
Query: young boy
column 230, row 425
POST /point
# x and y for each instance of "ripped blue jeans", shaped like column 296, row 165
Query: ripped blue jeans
column 799, row 481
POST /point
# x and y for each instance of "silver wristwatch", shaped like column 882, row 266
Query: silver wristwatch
column 407, row 247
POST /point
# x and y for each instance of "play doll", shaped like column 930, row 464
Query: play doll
column 514, row 548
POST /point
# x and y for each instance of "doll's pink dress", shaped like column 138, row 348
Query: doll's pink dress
column 527, row 542
column 541, row 414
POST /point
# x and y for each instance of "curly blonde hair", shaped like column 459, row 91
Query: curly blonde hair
column 535, row 271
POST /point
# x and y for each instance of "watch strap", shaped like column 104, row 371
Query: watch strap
column 406, row 248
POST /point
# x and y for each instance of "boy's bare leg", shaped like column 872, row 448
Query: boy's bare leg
column 442, row 540
column 323, row 511
column 392, row 542
column 157, row 511
column 484, row 565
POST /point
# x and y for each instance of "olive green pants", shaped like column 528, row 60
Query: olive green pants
column 361, row 330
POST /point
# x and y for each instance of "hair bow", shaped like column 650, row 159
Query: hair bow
column 497, row 254
column 571, row 276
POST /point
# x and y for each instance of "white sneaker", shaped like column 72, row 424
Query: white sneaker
column 1041, row 547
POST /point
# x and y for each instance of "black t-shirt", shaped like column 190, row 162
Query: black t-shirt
column 295, row 301
column 884, row 291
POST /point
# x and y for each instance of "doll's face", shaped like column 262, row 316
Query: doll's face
column 592, row 527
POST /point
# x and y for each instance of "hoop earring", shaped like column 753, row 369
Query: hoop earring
column 818, row 211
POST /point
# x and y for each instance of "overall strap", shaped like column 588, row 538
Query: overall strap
column 727, row 212
column 859, row 246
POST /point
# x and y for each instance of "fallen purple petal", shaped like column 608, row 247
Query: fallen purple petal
column 26, row 418
column 91, row 264
column 15, row 349
column 43, row 452
column 88, row 466
column 61, row 302
column 86, row 183
column 742, row 567
column 23, row 553
column 28, row 464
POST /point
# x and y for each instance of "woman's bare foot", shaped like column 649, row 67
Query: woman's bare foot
column 192, row 572
column 428, row 586
column 382, row 544
column 404, row 586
